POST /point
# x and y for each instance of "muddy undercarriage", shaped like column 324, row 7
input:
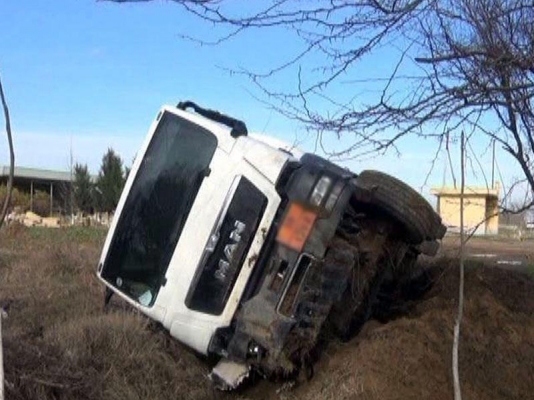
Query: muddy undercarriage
column 371, row 250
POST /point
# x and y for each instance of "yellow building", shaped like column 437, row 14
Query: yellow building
column 481, row 211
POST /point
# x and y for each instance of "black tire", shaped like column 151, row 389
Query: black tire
column 354, row 309
column 323, row 288
column 404, row 204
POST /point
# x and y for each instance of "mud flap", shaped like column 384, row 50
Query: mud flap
column 228, row 375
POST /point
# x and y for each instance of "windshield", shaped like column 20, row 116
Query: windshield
column 157, row 207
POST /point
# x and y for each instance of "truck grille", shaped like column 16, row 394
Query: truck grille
column 286, row 305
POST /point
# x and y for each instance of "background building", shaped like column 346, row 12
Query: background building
column 481, row 211
column 56, row 184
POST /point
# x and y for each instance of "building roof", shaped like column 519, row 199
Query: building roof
column 473, row 191
column 37, row 174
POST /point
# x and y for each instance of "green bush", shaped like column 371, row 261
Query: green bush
column 22, row 201
column 18, row 198
column 41, row 203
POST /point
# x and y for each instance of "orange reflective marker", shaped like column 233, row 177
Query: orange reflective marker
column 296, row 227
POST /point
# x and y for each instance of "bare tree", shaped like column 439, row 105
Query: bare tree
column 458, row 63
column 3, row 213
column 5, row 206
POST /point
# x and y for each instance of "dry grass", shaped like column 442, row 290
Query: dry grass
column 60, row 344
column 58, row 341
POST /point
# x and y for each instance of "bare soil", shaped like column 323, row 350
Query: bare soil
column 490, row 245
column 60, row 344
column 494, row 251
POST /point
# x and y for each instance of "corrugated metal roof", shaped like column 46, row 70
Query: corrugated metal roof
column 37, row 174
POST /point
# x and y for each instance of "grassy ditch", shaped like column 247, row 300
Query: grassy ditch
column 60, row 344
column 58, row 341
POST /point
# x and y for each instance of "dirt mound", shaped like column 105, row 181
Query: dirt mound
column 60, row 344
column 410, row 357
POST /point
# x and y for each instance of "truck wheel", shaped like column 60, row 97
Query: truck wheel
column 402, row 203
column 375, row 293
column 355, row 308
column 325, row 287
column 354, row 304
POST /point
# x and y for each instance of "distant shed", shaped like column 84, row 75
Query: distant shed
column 56, row 183
column 481, row 211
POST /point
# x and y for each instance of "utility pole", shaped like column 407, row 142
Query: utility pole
column 493, row 167
column 456, row 341
column 1, row 360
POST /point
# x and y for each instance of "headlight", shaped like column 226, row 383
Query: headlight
column 320, row 190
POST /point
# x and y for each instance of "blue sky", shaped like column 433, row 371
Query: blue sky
column 87, row 75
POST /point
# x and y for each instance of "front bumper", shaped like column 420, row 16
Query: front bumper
column 290, row 293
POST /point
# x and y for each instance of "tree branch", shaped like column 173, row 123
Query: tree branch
column 11, row 156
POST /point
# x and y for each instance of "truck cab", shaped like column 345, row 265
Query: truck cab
column 226, row 240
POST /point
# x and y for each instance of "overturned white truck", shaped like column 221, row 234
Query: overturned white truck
column 243, row 249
